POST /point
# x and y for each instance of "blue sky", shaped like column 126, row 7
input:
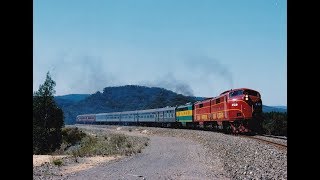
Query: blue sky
column 194, row 47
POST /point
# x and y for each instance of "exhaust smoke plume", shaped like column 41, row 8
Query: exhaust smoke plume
column 85, row 74
column 210, row 66
column 171, row 83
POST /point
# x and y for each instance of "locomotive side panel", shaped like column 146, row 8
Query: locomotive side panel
column 219, row 109
column 202, row 111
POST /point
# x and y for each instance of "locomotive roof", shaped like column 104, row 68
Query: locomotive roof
column 206, row 99
column 236, row 90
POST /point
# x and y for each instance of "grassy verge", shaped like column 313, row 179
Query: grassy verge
column 79, row 144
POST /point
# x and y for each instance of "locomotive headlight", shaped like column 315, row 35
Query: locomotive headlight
column 246, row 97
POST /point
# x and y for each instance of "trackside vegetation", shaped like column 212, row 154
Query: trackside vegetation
column 47, row 119
column 275, row 123
column 83, row 144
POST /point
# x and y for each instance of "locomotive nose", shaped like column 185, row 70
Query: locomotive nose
column 257, row 105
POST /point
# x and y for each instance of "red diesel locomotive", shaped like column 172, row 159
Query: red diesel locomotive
column 236, row 110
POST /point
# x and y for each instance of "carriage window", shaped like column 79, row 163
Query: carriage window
column 217, row 101
column 200, row 105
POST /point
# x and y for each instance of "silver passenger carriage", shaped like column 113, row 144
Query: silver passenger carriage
column 108, row 117
column 86, row 118
column 160, row 115
column 154, row 117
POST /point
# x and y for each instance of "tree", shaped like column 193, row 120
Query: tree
column 275, row 123
column 47, row 119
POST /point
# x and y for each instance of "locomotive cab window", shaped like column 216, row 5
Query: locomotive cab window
column 235, row 93
column 200, row 105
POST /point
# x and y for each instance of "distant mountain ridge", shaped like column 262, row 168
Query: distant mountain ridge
column 125, row 98
column 69, row 99
column 73, row 97
column 282, row 107
column 274, row 108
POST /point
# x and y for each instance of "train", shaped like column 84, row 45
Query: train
column 233, row 111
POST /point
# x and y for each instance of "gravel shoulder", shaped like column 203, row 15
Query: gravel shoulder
column 164, row 158
column 185, row 154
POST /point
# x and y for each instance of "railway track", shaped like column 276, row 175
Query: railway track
column 255, row 137
column 279, row 145
column 276, row 137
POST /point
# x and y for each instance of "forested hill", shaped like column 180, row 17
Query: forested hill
column 69, row 99
column 122, row 98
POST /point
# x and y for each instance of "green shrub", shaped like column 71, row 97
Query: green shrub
column 117, row 140
column 111, row 144
column 71, row 136
column 57, row 162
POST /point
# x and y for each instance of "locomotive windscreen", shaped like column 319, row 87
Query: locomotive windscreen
column 252, row 93
column 241, row 92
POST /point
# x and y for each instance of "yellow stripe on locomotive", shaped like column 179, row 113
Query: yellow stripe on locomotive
column 184, row 113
